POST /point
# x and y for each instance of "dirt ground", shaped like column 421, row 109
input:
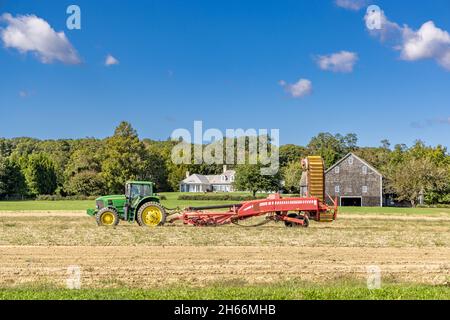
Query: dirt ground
column 159, row 266
column 38, row 247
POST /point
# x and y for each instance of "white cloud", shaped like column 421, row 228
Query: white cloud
column 343, row 61
column 429, row 42
column 354, row 5
column 111, row 61
column 300, row 89
column 33, row 34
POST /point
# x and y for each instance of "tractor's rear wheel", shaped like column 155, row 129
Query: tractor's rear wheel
column 151, row 214
column 107, row 217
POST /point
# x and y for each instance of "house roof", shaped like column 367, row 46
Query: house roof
column 209, row 179
column 196, row 179
column 355, row 156
column 217, row 179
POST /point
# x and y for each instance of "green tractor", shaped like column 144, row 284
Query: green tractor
column 139, row 204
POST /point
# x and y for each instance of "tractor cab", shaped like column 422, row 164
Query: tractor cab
column 135, row 191
column 138, row 189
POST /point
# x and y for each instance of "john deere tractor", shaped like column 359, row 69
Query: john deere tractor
column 139, row 204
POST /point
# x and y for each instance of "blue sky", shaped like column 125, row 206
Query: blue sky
column 222, row 62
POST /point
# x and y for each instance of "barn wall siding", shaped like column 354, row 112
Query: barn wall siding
column 371, row 201
column 351, row 178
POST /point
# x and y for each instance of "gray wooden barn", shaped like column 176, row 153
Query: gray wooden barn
column 354, row 182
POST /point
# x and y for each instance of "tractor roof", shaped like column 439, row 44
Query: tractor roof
column 140, row 182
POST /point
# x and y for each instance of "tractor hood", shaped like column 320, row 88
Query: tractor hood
column 114, row 201
column 111, row 197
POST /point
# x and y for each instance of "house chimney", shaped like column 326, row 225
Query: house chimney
column 224, row 168
column 187, row 174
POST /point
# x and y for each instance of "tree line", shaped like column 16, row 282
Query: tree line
column 90, row 167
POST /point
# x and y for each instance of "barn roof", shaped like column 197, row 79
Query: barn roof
column 355, row 156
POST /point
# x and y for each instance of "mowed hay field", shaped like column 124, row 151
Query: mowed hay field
column 410, row 246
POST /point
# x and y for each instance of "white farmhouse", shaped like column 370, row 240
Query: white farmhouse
column 209, row 183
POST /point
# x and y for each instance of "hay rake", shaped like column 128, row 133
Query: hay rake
column 293, row 211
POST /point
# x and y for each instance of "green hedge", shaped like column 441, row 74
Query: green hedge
column 437, row 206
column 218, row 197
column 54, row 197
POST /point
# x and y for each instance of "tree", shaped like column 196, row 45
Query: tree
column 416, row 177
column 156, row 169
column 86, row 183
column 23, row 147
column 40, row 174
column 377, row 157
column 386, row 144
column 82, row 175
column 290, row 153
column 12, row 181
column 6, row 147
column 60, row 151
column 249, row 178
column 332, row 148
column 176, row 174
column 125, row 158
column 349, row 142
column 86, row 156
column 292, row 175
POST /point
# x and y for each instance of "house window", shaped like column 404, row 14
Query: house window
column 350, row 161
column 336, row 189
column 223, row 178
column 364, row 189
column 364, row 169
column 337, row 170
column 232, row 178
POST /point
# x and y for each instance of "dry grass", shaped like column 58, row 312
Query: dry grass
column 38, row 247
column 349, row 231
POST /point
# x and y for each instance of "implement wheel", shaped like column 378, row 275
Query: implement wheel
column 107, row 217
column 151, row 214
column 297, row 216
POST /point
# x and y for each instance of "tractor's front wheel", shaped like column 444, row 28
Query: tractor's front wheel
column 107, row 217
column 151, row 214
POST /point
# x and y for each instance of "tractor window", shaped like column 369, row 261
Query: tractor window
column 146, row 190
column 140, row 190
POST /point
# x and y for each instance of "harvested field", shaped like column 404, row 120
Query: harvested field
column 37, row 247
column 76, row 229
column 156, row 266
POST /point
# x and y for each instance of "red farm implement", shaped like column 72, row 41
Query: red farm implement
column 293, row 211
